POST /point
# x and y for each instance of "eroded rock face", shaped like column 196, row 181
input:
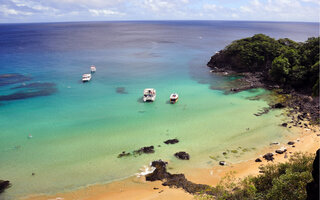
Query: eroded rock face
column 175, row 180
column 182, row 155
column 172, row 141
column 313, row 187
column 4, row 185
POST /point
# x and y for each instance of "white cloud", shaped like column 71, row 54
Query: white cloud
column 263, row 10
column 312, row 1
column 246, row 9
column 158, row 5
column 6, row 11
column 89, row 3
column 210, row 7
column 34, row 6
column 104, row 12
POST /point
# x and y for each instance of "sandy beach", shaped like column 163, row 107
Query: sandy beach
column 137, row 188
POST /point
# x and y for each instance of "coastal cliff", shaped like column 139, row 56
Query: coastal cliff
column 282, row 64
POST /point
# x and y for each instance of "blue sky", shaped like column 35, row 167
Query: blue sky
column 16, row 11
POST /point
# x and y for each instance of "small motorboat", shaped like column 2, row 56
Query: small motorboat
column 149, row 94
column 86, row 77
column 174, row 98
column 93, row 69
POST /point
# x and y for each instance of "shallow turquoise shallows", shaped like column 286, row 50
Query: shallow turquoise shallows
column 70, row 133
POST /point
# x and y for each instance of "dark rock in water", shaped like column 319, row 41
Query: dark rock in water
column 121, row 90
column 281, row 151
column 159, row 173
column 258, row 160
column 290, row 143
column 313, row 187
column 234, row 89
column 284, row 124
column 140, row 151
column 278, row 105
column 172, row 141
column 124, row 154
column 8, row 79
column 175, row 180
column 224, row 153
column 182, row 155
column 222, row 163
column 149, row 149
column 268, row 157
column 4, row 185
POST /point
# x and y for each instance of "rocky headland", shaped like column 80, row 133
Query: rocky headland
column 289, row 68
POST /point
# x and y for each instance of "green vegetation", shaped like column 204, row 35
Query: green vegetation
column 284, row 181
column 285, row 62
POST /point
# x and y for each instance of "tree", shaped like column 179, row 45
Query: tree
column 280, row 69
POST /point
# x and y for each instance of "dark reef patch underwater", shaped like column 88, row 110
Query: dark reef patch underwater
column 25, row 90
column 8, row 79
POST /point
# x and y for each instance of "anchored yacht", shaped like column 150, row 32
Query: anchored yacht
column 149, row 94
column 93, row 69
column 86, row 77
column 174, row 98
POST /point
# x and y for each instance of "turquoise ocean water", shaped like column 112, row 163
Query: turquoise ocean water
column 79, row 129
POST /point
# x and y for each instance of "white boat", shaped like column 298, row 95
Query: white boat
column 174, row 98
column 86, row 77
column 149, row 94
column 93, row 69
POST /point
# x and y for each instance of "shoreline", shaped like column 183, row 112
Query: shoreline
column 306, row 140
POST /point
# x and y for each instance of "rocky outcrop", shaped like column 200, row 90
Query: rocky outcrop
column 313, row 187
column 175, row 180
column 172, row 141
column 237, row 59
column 268, row 157
column 123, row 154
column 4, row 185
column 182, row 155
column 222, row 163
column 142, row 150
column 149, row 149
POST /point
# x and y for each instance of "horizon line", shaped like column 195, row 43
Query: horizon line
column 158, row 20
